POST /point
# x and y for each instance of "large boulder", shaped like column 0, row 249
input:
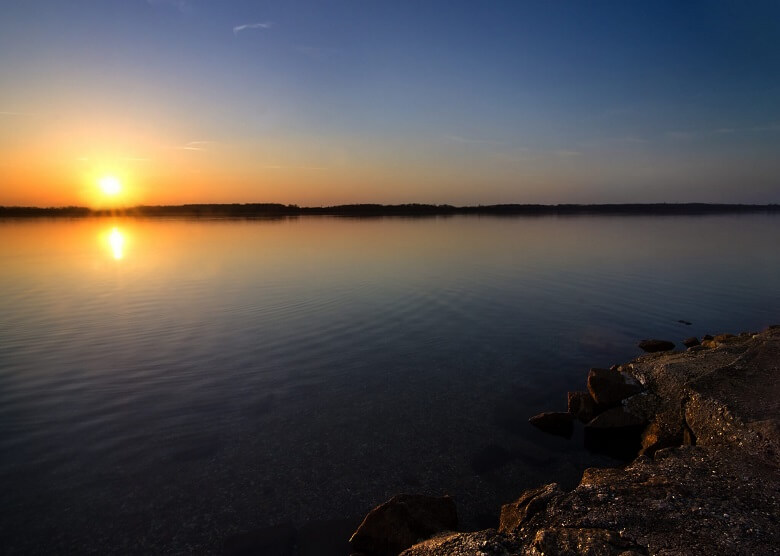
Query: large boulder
column 554, row 422
column 690, row 342
column 725, row 395
column 609, row 387
column 652, row 346
column 403, row 521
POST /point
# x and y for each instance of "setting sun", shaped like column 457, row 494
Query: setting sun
column 110, row 185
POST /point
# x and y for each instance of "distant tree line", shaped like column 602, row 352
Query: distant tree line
column 278, row 210
column 50, row 212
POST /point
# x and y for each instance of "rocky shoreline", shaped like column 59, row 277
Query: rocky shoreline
column 703, row 429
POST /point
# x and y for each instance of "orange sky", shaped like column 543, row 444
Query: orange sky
column 61, row 163
column 321, row 104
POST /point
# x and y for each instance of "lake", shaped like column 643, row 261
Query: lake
column 165, row 384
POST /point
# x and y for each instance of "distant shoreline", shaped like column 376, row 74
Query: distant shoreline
column 265, row 210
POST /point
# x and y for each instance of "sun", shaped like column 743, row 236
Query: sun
column 110, row 185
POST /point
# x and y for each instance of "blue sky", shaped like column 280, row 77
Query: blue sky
column 457, row 102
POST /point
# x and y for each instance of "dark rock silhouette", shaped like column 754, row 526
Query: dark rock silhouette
column 582, row 405
column 554, row 422
column 615, row 432
column 403, row 521
column 609, row 387
column 690, row 342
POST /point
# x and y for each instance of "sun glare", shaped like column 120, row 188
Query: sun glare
column 110, row 185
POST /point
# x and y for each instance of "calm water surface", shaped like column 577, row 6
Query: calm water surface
column 167, row 383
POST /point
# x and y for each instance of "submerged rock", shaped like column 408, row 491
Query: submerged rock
column 403, row 521
column 653, row 346
column 554, row 422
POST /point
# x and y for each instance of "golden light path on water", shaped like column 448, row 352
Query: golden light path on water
column 116, row 241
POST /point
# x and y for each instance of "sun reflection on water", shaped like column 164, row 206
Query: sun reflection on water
column 116, row 240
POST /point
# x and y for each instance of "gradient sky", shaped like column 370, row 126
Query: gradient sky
column 403, row 101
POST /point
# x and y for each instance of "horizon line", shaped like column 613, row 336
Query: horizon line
column 279, row 210
column 410, row 204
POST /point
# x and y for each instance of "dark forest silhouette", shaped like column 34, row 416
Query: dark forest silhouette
column 264, row 210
